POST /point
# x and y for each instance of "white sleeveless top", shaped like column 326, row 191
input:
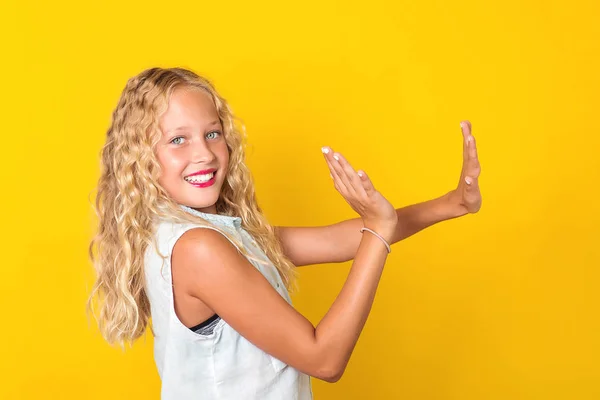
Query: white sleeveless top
column 222, row 365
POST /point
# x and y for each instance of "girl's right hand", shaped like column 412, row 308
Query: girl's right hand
column 358, row 191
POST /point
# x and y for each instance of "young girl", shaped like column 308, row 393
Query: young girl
column 182, row 239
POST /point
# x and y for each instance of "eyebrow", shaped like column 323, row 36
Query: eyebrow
column 184, row 127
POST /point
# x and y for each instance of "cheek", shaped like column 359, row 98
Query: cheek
column 224, row 156
column 170, row 164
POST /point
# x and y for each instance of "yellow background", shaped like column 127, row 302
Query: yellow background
column 500, row 305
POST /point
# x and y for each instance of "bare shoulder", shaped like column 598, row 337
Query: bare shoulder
column 202, row 247
column 203, row 238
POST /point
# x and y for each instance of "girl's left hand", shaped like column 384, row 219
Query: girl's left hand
column 467, row 196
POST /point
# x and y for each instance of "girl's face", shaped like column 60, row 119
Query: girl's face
column 192, row 152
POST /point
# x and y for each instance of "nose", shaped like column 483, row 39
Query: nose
column 201, row 152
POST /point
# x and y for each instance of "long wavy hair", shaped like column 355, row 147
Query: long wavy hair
column 129, row 200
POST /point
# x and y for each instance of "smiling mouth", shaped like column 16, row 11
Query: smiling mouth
column 200, row 178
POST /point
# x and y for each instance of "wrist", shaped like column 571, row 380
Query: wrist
column 379, row 237
column 451, row 205
column 386, row 231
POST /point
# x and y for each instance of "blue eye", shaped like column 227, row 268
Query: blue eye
column 215, row 132
column 176, row 140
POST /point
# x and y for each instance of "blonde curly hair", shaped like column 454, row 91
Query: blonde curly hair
column 129, row 200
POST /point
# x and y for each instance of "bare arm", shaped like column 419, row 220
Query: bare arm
column 339, row 242
column 211, row 269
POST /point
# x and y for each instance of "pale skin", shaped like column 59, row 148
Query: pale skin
column 210, row 276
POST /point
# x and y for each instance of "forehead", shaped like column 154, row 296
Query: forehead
column 189, row 106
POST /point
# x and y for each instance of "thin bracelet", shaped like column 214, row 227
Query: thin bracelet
column 376, row 234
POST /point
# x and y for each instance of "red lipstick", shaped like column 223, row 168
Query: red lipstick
column 208, row 183
column 203, row 172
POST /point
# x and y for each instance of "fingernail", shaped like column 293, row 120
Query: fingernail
column 336, row 157
column 461, row 125
column 325, row 150
column 360, row 174
column 468, row 180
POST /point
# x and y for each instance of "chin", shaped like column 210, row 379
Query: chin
column 201, row 204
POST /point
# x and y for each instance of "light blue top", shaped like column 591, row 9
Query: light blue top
column 222, row 365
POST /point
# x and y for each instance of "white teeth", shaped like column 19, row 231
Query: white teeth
column 199, row 178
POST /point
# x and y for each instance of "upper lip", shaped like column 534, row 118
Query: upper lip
column 203, row 172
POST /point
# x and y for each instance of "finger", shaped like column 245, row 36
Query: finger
column 326, row 151
column 337, row 181
column 363, row 179
column 473, row 167
column 465, row 127
column 337, row 166
column 366, row 182
column 353, row 176
column 472, row 183
column 349, row 176
column 472, row 148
